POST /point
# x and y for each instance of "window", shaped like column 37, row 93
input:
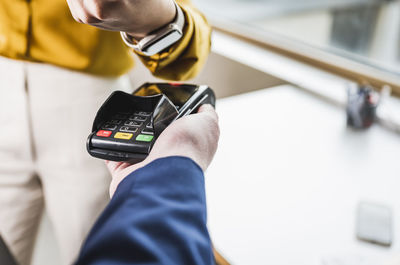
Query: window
column 358, row 37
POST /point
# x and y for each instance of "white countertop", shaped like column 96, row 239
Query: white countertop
column 288, row 175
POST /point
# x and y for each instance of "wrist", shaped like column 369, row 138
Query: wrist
column 159, row 39
column 166, row 13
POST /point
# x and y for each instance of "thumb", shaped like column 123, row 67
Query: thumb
column 206, row 108
column 209, row 110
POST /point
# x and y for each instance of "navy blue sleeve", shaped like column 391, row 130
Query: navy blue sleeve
column 157, row 216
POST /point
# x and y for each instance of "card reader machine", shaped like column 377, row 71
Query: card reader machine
column 127, row 125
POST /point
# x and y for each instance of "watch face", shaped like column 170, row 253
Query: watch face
column 163, row 42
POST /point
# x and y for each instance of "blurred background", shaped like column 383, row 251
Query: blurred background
column 293, row 182
column 363, row 30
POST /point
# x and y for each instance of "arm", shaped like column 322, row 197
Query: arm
column 157, row 216
column 185, row 59
column 158, row 213
column 182, row 61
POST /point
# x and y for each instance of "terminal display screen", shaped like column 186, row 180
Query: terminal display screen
column 178, row 94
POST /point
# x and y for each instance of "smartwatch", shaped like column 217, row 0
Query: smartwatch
column 160, row 39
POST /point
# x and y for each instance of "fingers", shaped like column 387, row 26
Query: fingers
column 206, row 108
column 209, row 110
column 114, row 167
column 92, row 8
column 111, row 165
column 76, row 10
column 89, row 11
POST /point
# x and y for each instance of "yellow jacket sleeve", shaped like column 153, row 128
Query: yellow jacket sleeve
column 44, row 31
column 184, row 59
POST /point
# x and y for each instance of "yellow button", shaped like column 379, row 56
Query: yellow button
column 125, row 136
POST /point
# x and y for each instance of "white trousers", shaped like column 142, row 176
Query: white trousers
column 46, row 114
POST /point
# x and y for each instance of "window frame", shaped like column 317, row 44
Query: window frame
column 333, row 63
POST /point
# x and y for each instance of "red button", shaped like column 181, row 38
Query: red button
column 103, row 133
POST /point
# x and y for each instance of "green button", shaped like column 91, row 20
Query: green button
column 144, row 138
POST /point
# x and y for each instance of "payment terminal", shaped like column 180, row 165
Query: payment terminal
column 127, row 125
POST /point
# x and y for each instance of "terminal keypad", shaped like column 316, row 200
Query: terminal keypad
column 134, row 126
